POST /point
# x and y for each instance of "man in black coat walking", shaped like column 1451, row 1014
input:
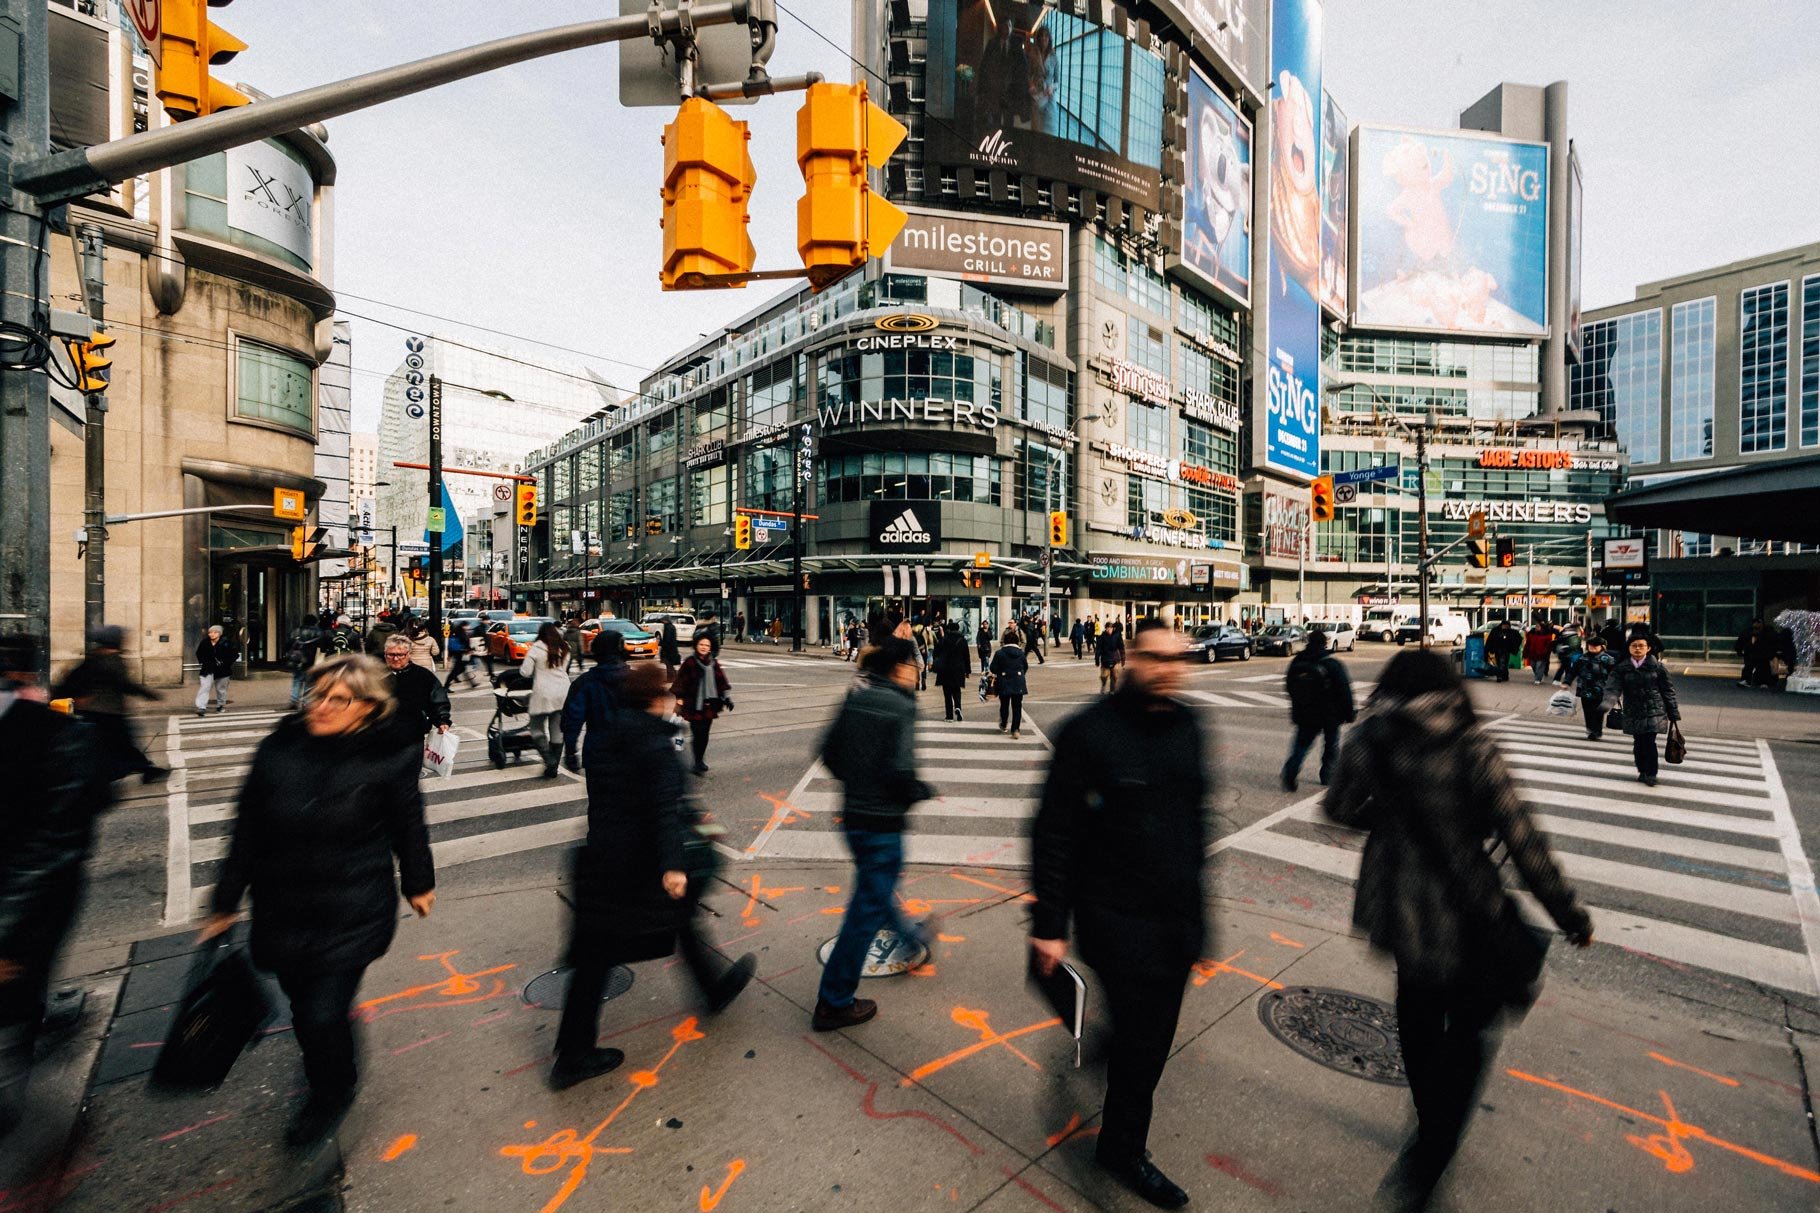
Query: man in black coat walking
column 423, row 703
column 1501, row 643
column 1320, row 701
column 1119, row 846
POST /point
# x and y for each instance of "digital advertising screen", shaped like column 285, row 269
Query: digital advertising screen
column 1452, row 233
column 1336, row 185
column 1216, row 217
column 1028, row 89
column 1234, row 29
column 1292, row 432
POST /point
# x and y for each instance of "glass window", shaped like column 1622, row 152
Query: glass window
column 274, row 387
column 713, row 411
column 1213, row 448
column 1146, row 346
column 1046, row 392
column 767, row 478
column 1044, row 478
column 1619, row 376
column 1690, row 385
column 621, row 447
column 664, row 432
column 564, row 469
column 661, row 505
column 620, row 518
column 708, row 497
column 1144, row 497
column 1147, row 427
column 1810, row 361
column 773, row 391
column 914, row 475
column 1763, row 368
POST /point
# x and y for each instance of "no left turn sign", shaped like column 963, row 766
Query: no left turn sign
column 502, row 492
column 148, row 19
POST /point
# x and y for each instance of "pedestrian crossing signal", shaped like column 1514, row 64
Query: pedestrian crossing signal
column 1507, row 553
column 1058, row 529
column 742, row 533
column 525, row 504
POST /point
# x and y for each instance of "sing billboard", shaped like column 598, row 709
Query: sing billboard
column 1216, row 218
column 1292, row 431
column 1450, row 233
column 1028, row 89
column 1336, row 180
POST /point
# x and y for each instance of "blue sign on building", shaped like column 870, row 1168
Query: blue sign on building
column 1292, row 430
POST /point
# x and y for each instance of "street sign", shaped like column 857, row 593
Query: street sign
column 148, row 22
column 769, row 530
column 289, row 503
column 1475, row 525
column 502, row 491
column 982, row 560
column 1364, row 475
column 1345, row 494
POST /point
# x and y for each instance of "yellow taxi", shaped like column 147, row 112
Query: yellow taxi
column 639, row 643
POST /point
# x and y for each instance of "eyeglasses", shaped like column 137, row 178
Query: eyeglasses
column 335, row 703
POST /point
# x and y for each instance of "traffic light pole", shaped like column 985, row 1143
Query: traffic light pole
column 434, row 519
column 94, row 448
column 796, row 543
column 1422, row 557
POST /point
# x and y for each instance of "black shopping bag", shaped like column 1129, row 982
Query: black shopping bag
column 217, row 1019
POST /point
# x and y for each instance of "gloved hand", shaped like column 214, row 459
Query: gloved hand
column 726, row 704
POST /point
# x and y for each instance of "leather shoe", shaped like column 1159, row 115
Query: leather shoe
column 1141, row 1176
column 828, row 1019
column 320, row 1116
column 572, row 1068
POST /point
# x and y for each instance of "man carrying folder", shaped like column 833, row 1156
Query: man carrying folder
column 1119, row 845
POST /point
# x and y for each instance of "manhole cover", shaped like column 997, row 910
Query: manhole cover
column 889, row 955
column 1343, row 1031
column 547, row 990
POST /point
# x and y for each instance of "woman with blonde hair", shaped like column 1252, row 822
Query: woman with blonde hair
column 546, row 664
column 329, row 805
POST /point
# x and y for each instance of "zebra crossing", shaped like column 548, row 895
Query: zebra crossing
column 477, row 813
column 1704, row 869
column 1254, row 695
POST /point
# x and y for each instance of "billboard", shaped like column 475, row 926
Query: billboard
column 1022, row 253
column 1232, row 29
column 1451, row 232
column 1336, row 183
column 1028, row 89
column 1292, row 431
column 1576, row 194
column 1216, row 219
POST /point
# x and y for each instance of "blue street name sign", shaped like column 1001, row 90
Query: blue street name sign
column 1363, row 475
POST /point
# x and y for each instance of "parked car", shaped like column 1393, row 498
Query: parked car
column 1341, row 637
column 1381, row 623
column 511, row 639
column 1216, row 642
column 684, row 621
column 498, row 616
column 1281, row 640
column 1443, row 628
column 639, row 643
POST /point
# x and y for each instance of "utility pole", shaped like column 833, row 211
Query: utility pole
column 1048, row 520
column 1529, row 590
column 1301, row 566
column 94, row 445
column 1422, row 524
column 803, row 462
column 434, row 521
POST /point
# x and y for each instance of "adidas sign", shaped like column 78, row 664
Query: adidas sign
column 905, row 528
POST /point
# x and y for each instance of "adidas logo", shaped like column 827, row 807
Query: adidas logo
column 905, row 528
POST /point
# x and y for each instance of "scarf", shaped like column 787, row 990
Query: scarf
column 704, row 686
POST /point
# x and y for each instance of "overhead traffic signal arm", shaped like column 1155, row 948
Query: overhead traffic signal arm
column 840, row 221
column 191, row 44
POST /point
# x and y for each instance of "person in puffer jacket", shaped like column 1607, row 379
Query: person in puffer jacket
column 1589, row 672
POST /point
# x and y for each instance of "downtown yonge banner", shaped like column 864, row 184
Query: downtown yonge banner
column 1291, row 303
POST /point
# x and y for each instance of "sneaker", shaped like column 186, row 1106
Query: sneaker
column 828, row 1019
column 320, row 1116
column 201, row 712
column 572, row 1068
column 1001, row 728
column 957, row 715
column 1141, row 1176
column 731, row 983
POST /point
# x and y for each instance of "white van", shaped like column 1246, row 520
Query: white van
column 1444, row 627
column 1381, row 623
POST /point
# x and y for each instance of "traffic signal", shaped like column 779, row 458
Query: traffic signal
column 297, row 534
column 191, row 43
column 840, row 221
column 1320, row 499
column 742, row 532
column 1475, row 525
column 708, row 178
column 1507, row 553
column 524, row 504
column 92, row 362
column 1058, row 529
column 1478, row 553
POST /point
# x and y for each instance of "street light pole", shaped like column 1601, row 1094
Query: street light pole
column 1422, row 525
column 435, row 519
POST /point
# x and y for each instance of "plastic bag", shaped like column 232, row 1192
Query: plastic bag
column 439, row 753
column 1561, row 703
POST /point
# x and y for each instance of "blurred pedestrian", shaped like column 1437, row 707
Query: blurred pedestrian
column 327, row 807
column 1501, row 643
column 739, row 625
column 546, row 664
column 216, row 654
column 302, row 652
column 99, row 686
column 594, row 702
column 1650, row 707
column 1320, row 701
column 1590, row 674
column 1757, row 646
column 667, row 650
column 1077, row 636
column 571, row 636
column 982, row 641
column 636, row 887
column 1118, row 846
column 709, row 629
column 871, row 749
column 1109, row 655
column 1429, row 784
column 953, row 669
column 919, row 634
column 1538, row 646
column 702, row 692
column 420, row 704
column 461, row 655
column 1009, row 669
column 425, row 648
column 376, row 637
column 856, row 638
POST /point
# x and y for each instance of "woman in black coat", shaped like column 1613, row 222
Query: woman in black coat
column 953, row 667
column 636, row 885
column 329, row 804
column 667, row 651
column 1009, row 665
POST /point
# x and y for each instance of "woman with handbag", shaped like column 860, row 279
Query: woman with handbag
column 702, row 693
column 329, row 804
column 1649, row 707
column 1429, row 784
column 638, row 877
column 1008, row 669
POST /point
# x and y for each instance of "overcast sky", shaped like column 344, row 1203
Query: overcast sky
column 525, row 201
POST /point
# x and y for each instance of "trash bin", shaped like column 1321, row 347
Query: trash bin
column 1473, row 657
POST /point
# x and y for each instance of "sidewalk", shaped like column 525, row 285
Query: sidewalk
column 961, row 1095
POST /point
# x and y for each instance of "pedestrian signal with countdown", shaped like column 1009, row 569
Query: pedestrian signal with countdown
column 1507, row 553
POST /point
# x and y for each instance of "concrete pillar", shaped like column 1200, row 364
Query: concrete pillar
column 1554, row 349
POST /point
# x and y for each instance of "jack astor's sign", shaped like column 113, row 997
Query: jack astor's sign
column 1499, row 457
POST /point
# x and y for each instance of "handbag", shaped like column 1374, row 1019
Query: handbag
column 1614, row 720
column 222, row 1013
column 1675, row 748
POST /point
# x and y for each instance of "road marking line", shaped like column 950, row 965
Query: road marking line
column 1800, row 871
column 1750, row 827
column 1011, row 808
column 453, row 852
column 1628, row 788
column 1521, row 760
column 1571, row 736
column 1557, row 826
column 177, row 893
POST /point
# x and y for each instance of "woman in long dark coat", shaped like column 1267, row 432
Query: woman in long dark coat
column 702, row 693
column 636, row 886
column 329, row 804
column 667, row 650
column 1642, row 684
column 1008, row 669
column 953, row 668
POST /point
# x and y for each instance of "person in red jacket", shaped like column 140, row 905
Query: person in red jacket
column 701, row 691
column 1538, row 647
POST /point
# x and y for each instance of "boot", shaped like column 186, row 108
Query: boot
column 828, row 1018
column 734, row 980
column 572, row 1068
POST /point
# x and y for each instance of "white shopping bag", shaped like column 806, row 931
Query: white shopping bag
column 1561, row 703
column 439, row 753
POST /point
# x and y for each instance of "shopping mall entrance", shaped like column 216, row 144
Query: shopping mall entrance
column 259, row 595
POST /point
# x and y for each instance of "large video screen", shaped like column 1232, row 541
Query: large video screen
column 1452, row 233
column 1028, row 89
column 1335, row 197
column 1291, row 295
column 1216, row 221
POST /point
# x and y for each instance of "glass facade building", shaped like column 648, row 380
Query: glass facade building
column 1619, row 377
column 1763, row 369
column 1691, row 370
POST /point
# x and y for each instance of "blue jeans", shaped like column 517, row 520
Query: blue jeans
column 1304, row 742
column 878, row 858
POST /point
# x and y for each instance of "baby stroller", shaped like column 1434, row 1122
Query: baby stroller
column 509, row 732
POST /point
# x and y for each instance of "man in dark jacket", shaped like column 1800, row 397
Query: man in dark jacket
column 55, row 790
column 1588, row 672
column 871, row 749
column 953, row 669
column 1109, row 655
column 1757, row 646
column 423, row 704
column 1500, row 644
column 216, row 654
column 1320, row 701
column 100, row 686
column 305, row 646
column 1119, row 846
column 594, row 700
column 709, row 627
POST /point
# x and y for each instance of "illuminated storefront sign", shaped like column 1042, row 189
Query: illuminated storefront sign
column 895, row 412
column 1518, row 511
column 906, row 341
column 1146, row 463
column 1498, row 457
column 1139, row 381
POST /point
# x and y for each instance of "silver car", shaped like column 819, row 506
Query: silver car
column 1341, row 636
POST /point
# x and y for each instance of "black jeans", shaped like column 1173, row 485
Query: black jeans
column 951, row 700
column 1144, row 1012
column 1304, row 742
column 1643, row 749
column 1445, row 1034
column 1077, row 650
column 698, row 734
column 115, row 743
column 581, row 1008
column 1594, row 711
column 1011, row 708
column 320, row 1004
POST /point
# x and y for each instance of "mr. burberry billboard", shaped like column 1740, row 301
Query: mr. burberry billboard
column 1450, row 232
column 1292, row 433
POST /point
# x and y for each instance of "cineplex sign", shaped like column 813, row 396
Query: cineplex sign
column 1518, row 511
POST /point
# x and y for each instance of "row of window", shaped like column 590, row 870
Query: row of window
column 1147, row 499
column 911, row 475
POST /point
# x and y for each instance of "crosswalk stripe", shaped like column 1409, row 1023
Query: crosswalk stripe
column 1557, row 826
column 1630, row 787
column 1008, row 807
column 1218, row 701
column 1750, row 827
column 1013, row 752
column 561, row 792
column 1020, row 778
column 227, row 734
column 1567, row 732
column 1668, row 775
column 939, row 849
column 453, row 852
column 1617, row 752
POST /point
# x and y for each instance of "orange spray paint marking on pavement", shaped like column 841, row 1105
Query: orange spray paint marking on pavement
column 456, row 989
column 944, row 937
column 977, row 1021
column 783, row 813
column 399, row 1148
column 757, row 893
column 1681, row 1065
column 1206, row 970
column 1669, row 1148
column 710, row 1199
column 1061, row 1135
column 1020, row 894
column 1284, row 939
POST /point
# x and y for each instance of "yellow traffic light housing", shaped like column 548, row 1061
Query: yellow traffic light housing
column 742, row 532
column 297, row 544
column 525, row 504
column 1478, row 553
column 92, row 362
column 708, row 178
column 1320, row 499
column 1058, row 529
column 191, row 44
column 840, row 221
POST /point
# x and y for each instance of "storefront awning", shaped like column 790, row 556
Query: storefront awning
column 1775, row 501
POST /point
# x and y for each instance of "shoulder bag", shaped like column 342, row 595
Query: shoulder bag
column 1675, row 748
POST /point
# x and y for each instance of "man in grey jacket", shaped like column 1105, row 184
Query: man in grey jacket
column 871, row 749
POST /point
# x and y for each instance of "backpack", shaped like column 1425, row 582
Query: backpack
column 1308, row 692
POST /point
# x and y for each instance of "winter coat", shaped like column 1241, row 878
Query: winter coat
column 688, row 679
column 953, row 661
column 56, row 787
column 1119, row 842
column 595, row 700
column 424, row 650
column 549, row 684
column 1590, row 673
column 1431, row 787
column 1077, row 634
column 982, row 640
column 306, row 644
column 1109, row 649
column 1537, row 644
column 1647, row 695
column 667, row 652
column 319, row 823
column 375, row 642
column 1009, row 665
column 422, row 704
column 1319, row 690
column 1502, row 642
column 871, row 748
column 216, row 658
column 100, row 685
